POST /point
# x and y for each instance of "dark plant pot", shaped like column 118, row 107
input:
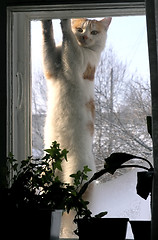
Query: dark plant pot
column 32, row 225
column 102, row 228
column 144, row 183
column 141, row 229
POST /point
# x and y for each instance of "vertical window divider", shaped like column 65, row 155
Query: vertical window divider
column 19, row 86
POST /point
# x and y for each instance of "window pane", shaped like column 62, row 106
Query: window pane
column 122, row 100
column 39, row 88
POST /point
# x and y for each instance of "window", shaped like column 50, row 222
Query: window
column 19, row 68
column 19, row 65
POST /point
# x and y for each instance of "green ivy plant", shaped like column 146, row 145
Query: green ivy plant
column 116, row 161
column 35, row 183
column 76, row 200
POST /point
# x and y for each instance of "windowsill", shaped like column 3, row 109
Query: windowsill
column 78, row 238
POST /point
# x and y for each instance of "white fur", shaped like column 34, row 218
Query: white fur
column 68, row 92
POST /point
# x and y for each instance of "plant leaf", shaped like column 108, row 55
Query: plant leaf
column 149, row 125
column 100, row 215
column 64, row 154
column 115, row 160
column 86, row 169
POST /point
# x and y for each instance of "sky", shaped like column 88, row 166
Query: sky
column 126, row 35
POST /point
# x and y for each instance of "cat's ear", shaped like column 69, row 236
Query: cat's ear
column 77, row 20
column 73, row 20
column 106, row 22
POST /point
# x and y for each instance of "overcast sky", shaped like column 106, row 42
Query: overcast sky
column 126, row 35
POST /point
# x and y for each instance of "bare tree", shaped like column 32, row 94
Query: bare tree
column 122, row 104
column 39, row 108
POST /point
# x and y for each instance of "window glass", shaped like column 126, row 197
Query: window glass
column 122, row 100
column 39, row 88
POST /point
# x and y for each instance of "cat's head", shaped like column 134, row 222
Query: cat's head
column 91, row 33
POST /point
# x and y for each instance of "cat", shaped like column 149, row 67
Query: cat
column 70, row 70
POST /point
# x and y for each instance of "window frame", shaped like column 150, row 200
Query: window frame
column 18, row 86
column 152, row 11
column 152, row 31
column 19, row 67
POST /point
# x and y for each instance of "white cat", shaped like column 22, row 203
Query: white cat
column 69, row 70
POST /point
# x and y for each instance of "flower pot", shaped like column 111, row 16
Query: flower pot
column 102, row 228
column 144, row 183
column 34, row 224
column 141, row 229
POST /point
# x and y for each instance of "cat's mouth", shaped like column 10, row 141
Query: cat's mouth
column 84, row 42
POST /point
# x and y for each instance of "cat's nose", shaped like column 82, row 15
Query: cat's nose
column 84, row 37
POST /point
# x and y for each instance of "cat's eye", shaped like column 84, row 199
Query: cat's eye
column 79, row 29
column 94, row 32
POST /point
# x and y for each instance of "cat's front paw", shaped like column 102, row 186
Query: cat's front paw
column 47, row 27
column 65, row 24
column 46, row 24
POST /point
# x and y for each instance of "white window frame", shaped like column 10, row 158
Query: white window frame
column 18, row 85
column 19, row 132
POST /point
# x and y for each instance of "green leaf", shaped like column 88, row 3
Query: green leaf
column 64, row 154
column 86, row 169
column 46, row 157
column 15, row 166
column 149, row 125
column 115, row 160
column 10, row 155
column 57, row 165
column 48, row 150
column 11, row 158
column 101, row 214
column 84, row 177
column 24, row 163
column 73, row 175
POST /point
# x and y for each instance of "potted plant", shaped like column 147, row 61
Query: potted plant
column 91, row 226
column 141, row 229
column 112, row 163
column 34, row 195
column 35, row 191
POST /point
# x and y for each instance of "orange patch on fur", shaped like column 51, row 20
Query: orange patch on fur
column 92, row 24
column 48, row 75
column 89, row 73
column 90, row 126
column 78, row 22
column 91, row 106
